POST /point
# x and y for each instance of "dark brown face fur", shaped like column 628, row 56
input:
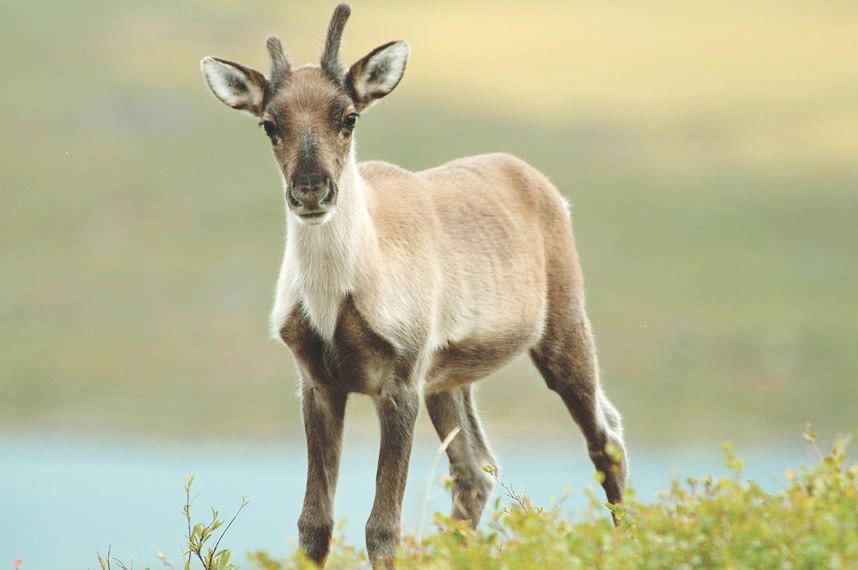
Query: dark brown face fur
column 310, row 120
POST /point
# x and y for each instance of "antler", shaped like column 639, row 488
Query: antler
column 280, row 66
column 331, row 55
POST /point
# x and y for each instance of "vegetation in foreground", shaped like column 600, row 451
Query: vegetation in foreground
column 698, row 523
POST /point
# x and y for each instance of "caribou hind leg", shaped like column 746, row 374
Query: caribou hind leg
column 480, row 444
column 468, row 452
column 566, row 358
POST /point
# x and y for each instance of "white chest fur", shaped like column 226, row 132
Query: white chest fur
column 320, row 263
column 319, row 275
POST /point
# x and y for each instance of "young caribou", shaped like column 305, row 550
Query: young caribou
column 398, row 283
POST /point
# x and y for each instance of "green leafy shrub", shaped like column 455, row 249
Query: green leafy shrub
column 698, row 523
column 706, row 522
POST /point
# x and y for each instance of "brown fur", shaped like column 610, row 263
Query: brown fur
column 342, row 365
column 307, row 113
column 413, row 282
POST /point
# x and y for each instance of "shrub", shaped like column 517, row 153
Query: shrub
column 698, row 523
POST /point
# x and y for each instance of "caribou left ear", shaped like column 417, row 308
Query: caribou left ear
column 377, row 74
column 236, row 85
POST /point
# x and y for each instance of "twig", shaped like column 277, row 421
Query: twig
column 512, row 494
column 428, row 495
column 244, row 503
column 810, row 438
column 104, row 562
column 188, row 513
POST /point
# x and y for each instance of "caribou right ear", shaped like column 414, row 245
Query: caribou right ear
column 236, row 85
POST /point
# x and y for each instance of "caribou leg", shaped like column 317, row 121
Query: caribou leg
column 467, row 452
column 397, row 406
column 566, row 358
column 323, row 413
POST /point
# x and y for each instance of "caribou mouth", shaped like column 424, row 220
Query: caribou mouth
column 314, row 218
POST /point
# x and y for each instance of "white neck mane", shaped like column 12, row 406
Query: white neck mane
column 320, row 264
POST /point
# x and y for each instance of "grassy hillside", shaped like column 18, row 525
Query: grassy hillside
column 708, row 150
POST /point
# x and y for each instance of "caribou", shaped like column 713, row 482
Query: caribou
column 397, row 284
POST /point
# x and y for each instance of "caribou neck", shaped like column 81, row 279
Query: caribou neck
column 323, row 261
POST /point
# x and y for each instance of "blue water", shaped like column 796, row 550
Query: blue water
column 63, row 500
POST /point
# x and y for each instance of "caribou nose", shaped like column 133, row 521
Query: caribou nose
column 309, row 191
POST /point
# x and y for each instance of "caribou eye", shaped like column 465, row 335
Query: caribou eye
column 350, row 121
column 270, row 128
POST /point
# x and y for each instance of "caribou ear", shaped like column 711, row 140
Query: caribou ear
column 236, row 85
column 377, row 74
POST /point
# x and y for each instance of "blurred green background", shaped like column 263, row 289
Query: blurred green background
column 709, row 150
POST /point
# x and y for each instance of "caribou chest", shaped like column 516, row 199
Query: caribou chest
column 355, row 359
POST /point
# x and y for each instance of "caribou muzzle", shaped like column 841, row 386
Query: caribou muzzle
column 312, row 196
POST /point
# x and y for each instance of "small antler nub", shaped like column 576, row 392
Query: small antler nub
column 280, row 66
column 331, row 54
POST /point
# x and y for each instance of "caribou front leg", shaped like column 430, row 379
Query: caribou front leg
column 397, row 406
column 323, row 412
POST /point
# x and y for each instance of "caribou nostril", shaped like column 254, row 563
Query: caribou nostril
column 330, row 192
column 293, row 201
